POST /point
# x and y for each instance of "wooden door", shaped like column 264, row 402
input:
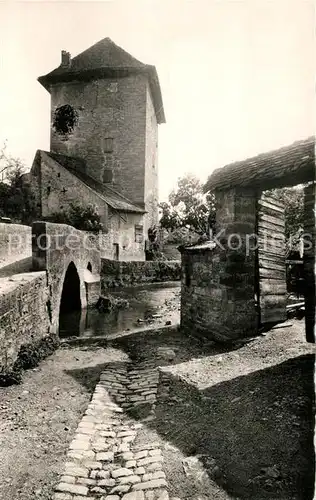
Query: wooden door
column 271, row 270
column 116, row 251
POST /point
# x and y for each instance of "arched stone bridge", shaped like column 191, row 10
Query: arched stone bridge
column 72, row 261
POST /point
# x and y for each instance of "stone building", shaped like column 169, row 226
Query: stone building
column 235, row 284
column 105, row 110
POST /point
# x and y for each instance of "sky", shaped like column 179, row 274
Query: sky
column 237, row 76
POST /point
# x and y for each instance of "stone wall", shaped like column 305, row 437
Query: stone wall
column 121, row 109
column 58, row 188
column 15, row 243
column 115, row 273
column 55, row 246
column 218, row 281
column 66, row 188
column 107, row 108
column 121, row 232
column 151, row 164
column 24, row 316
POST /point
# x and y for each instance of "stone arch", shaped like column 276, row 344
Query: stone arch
column 70, row 295
column 65, row 251
column 70, row 303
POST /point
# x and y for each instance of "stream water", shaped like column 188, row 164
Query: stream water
column 149, row 306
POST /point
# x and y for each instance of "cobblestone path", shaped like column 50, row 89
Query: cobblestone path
column 106, row 461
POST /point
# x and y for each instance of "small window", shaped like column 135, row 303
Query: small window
column 107, row 175
column 58, row 175
column 139, row 233
column 108, row 145
column 188, row 272
column 116, row 250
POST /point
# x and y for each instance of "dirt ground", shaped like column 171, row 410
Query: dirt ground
column 242, row 416
column 238, row 421
column 39, row 417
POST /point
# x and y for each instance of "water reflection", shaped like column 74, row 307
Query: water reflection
column 144, row 302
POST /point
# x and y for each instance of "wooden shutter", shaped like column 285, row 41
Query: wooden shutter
column 271, row 259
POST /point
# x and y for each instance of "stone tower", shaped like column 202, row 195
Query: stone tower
column 105, row 109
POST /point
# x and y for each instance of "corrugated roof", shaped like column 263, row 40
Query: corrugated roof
column 105, row 58
column 114, row 199
column 287, row 166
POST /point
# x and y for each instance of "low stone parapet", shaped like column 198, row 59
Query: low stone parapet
column 124, row 273
column 15, row 243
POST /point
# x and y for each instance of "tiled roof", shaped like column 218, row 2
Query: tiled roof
column 114, row 199
column 200, row 247
column 290, row 165
column 105, row 58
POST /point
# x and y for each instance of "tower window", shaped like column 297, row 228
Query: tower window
column 139, row 233
column 108, row 145
column 107, row 175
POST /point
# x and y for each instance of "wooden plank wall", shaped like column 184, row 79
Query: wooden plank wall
column 271, row 259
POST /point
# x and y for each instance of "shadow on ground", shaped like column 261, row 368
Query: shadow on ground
column 253, row 433
column 142, row 346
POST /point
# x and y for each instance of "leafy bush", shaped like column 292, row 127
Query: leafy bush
column 83, row 217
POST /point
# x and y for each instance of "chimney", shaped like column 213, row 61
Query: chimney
column 65, row 59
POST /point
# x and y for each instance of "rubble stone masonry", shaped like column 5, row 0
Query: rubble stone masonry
column 217, row 293
column 24, row 316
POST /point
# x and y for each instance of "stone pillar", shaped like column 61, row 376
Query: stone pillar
column 236, row 211
column 218, row 278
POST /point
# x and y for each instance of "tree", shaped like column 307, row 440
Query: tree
column 293, row 200
column 188, row 207
column 170, row 219
column 17, row 200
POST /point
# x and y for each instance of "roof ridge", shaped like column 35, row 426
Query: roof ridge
column 102, row 60
column 221, row 177
column 111, row 43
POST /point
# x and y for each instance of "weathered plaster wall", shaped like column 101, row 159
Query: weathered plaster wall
column 59, row 188
column 115, row 273
column 114, row 108
column 121, row 231
column 24, row 315
column 151, row 164
column 217, row 292
column 15, row 242
column 55, row 246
